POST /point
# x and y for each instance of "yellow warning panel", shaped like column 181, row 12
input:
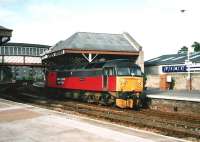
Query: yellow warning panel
column 121, row 103
column 126, row 83
column 129, row 103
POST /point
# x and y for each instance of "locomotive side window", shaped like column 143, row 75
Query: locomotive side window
column 109, row 71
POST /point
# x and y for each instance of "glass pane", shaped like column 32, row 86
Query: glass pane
column 136, row 72
column 15, row 51
column 38, row 52
column 11, row 50
column 34, row 51
column 6, row 51
column 27, row 51
column 2, row 50
column 19, row 51
column 31, row 51
column 23, row 51
column 123, row 71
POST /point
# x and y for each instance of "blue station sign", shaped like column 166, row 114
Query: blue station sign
column 178, row 68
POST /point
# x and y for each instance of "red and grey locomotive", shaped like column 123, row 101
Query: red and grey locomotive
column 118, row 82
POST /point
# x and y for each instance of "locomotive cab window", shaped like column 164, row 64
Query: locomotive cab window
column 127, row 71
column 136, row 71
column 123, row 71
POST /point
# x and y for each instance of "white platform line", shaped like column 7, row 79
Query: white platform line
column 10, row 108
column 174, row 98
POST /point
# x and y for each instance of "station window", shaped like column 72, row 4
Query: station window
column 27, row 51
column 34, row 51
column 23, row 51
column 15, row 51
column 11, row 50
column 31, row 51
column 6, row 50
column 38, row 52
column 2, row 50
column 19, row 51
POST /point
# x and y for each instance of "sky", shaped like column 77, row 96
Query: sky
column 157, row 25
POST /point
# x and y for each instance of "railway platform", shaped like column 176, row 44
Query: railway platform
column 182, row 101
column 26, row 123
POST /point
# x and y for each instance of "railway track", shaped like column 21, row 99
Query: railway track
column 170, row 124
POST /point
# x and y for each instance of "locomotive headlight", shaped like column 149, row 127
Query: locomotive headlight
column 139, row 82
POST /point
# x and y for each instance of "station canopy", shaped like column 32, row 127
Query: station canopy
column 171, row 59
column 5, row 34
column 96, row 43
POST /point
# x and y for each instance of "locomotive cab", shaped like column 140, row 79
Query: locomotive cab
column 128, row 80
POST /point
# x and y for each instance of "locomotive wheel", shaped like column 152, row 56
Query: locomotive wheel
column 138, row 105
column 106, row 99
column 51, row 93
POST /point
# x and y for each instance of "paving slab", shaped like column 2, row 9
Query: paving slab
column 25, row 123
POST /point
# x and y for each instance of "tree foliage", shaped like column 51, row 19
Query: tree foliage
column 196, row 46
column 183, row 50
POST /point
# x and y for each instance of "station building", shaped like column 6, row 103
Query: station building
column 84, row 47
column 174, row 71
column 21, row 61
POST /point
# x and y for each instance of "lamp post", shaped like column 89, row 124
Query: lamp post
column 188, row 70
column 188, row 63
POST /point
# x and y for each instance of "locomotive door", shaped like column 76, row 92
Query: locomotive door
column 108, row 71
column 105, row 78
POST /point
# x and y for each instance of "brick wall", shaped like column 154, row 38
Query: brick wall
column 180, row 79
column 153, row 81
column 185, row 107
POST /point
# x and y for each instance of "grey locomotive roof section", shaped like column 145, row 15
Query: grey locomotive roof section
column 25, row 45
column 99, row 41
column 173, row 59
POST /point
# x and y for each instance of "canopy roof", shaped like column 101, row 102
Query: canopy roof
column 96, row 43
column 171, row 59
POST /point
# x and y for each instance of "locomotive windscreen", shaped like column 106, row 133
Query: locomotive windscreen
column 127, row 71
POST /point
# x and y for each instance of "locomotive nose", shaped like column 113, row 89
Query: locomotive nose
column 130, row 84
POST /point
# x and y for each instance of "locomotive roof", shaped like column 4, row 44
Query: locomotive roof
column 111, row 63
column 94, row 65
column 120, row 63
column 99, row 41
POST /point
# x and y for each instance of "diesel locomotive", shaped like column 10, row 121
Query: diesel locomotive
column 118, row 82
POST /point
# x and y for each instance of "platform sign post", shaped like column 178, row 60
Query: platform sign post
column 189, row 83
